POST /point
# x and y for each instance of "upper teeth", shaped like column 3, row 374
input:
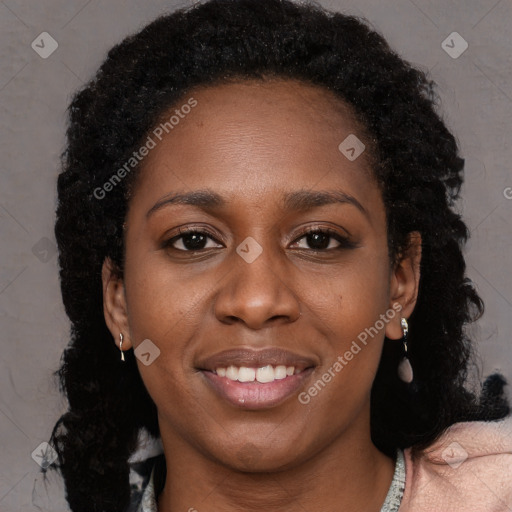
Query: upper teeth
column 264, row 374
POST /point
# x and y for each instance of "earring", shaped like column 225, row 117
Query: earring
column 121, row 345
column 404, row 368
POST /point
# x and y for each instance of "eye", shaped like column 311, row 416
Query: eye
column 314, row 239
column 323, row 240
column 190, row 240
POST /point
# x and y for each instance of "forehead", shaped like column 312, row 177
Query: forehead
column 256, row 136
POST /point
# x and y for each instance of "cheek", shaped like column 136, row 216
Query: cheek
column 161, row 308
column 162, row 298
column 350, row 307
column 350, row 297
column 165, row 308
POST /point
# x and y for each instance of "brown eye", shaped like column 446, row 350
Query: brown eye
column 323, row 240
column 191, row 240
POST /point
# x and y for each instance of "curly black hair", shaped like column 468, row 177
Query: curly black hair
column 416, row 162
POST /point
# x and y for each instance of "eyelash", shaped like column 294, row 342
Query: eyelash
column 344, row 242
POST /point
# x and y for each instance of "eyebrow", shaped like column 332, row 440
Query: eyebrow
column 300, row 200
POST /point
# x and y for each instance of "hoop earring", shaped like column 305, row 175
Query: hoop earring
column 121, row 345
column 405, row 372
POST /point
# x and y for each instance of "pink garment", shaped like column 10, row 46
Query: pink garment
column 468, row 469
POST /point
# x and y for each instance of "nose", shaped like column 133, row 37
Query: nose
column 258, row 293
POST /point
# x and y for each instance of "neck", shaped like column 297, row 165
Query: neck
column 349, row 474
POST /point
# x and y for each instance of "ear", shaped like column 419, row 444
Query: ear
column 114, row 303
column 404, row 285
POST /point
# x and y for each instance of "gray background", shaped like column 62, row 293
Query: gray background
column 476, row 95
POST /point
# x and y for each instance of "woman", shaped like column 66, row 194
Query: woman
column 263, row 268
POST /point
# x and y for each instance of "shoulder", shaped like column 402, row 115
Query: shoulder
column 469, row 468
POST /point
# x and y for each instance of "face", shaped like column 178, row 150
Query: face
column 256, row 262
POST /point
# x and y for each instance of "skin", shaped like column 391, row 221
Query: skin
column 252, row 142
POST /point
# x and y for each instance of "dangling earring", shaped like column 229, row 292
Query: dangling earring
column 404, row 368
column 121, row 345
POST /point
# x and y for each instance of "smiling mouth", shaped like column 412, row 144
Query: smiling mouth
column 263, row 375
column 251, row 393
column 256, row 379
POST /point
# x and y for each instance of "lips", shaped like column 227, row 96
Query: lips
column 256, row 359
column 256, row 379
